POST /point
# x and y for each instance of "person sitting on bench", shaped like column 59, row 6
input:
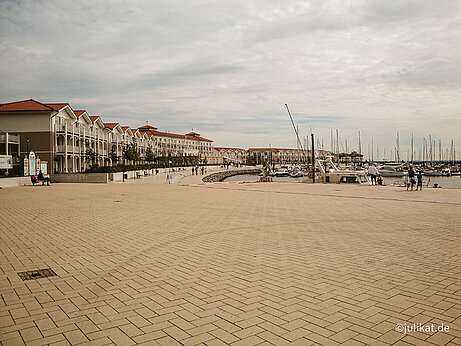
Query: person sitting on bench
column 44, row 179
column 33, row 180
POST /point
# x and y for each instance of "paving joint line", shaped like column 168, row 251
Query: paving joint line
column 338, row 196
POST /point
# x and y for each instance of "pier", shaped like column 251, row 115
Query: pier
column 228, row 264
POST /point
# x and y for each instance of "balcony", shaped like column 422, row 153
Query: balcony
column 12, row 139
column 61, row 148
column 59, row 128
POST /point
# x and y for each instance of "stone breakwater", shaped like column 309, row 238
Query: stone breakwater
column 220, row 176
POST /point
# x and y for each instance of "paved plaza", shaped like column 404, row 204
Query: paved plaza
column 242, row 264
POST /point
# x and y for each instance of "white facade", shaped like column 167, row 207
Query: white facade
column 74, row 140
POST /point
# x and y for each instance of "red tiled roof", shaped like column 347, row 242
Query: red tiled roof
column 79, row 113
column 124, row 128
column 164, row 134
column 175, row 135
column 58, row 106
column 147, row 128
column 222, row 148
column 194, row 134
column 93, row 118
column 199, row 138
column 33, row 105
column 167, row 134
column 111, row 125
column 26, row 105
column 273, row 149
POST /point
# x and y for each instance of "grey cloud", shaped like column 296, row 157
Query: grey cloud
column 180, row 74
column 228, row 68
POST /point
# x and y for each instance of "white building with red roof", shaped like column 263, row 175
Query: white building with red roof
column 72, row 141
column 190, row 144
column 231, row 155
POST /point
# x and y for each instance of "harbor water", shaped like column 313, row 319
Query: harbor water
column 453, row 182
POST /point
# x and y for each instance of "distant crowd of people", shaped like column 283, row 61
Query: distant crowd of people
column 413, row 178
column 196, row 170
column 411, row 182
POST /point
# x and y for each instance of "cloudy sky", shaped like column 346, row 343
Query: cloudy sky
column 227, row 68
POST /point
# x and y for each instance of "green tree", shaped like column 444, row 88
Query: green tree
column 113, row 156
column 131, row 153
column 149, row 156
column 91, row 156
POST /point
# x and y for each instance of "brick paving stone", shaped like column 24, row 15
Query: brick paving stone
column 176, row 333
column 440, row 338
column 75, row 337
column 243, row 263
column 10, row 335
column 321, row 339
column 30, row 334
column 149, row 337
column 168, row 340
column 343, row 335
column 198, row 339
column 224, row 336
column 45, row 324
column 252, row 340
column 352, row 343
column 14, row 342
column 50, row 340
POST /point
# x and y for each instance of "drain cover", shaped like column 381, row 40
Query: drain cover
column 37, row 274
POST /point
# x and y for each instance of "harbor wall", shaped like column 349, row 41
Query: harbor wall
column 14, row 182
column 220, row 176
column 80, row 178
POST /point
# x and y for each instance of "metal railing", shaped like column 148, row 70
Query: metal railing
column 11, row 138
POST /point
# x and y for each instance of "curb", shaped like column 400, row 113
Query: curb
column 216, row 183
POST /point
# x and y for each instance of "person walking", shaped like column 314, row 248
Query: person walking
column 192, row 170
column 411, row 178
column 419, row 177
column 372, row 171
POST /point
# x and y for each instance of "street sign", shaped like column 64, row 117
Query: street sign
column 6, row 161
column 44, row 167
column 26, row 167
column 32, row 163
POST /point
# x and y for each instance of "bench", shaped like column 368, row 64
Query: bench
column 34, row 180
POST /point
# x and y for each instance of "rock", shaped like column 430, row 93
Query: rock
column 220, row 176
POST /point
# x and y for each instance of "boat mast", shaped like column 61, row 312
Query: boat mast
column 377, row 151
column 294, row 128
column 337, row 143
column 360, row 144
column 440, row 149
column 425, row 150
column 372, row 149
column 430, row 149
column 412, row 158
